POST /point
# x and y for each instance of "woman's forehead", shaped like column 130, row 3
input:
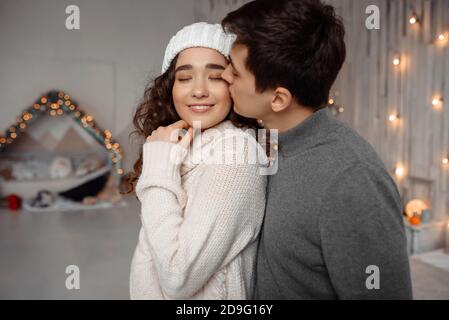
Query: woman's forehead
column 200, row 57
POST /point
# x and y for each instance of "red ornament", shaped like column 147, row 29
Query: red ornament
column 415, row 220
column 14, row 202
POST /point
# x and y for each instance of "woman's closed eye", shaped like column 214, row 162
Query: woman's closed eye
column 216, row 78
column 184, row 79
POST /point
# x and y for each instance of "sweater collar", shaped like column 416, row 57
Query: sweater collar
column 306, row 134
column 200, row 143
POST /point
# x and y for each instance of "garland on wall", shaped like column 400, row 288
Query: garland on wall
column 57, row 103
column 437, row 102
column 399, row 63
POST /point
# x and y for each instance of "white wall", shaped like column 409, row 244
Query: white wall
column 104, row 66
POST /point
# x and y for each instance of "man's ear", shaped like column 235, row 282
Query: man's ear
column 282, row 98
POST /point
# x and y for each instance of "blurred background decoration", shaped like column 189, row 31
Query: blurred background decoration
column 55, row 147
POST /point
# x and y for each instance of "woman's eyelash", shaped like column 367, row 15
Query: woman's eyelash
column 211, row 78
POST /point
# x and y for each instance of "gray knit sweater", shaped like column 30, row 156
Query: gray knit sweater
column 333, row 227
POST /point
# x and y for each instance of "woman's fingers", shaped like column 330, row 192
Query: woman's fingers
column 179, row 124
column 171, row 133
column 187, row 139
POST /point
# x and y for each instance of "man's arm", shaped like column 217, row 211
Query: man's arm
column 363, row 237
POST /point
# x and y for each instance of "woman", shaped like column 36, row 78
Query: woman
column 200, row 218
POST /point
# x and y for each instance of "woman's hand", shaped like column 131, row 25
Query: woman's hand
column 171, row 134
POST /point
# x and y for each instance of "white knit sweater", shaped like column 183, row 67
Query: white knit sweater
column 200, row 222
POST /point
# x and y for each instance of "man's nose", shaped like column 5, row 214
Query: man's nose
column 227, row 75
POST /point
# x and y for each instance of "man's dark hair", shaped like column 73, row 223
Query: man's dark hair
column 296, row 44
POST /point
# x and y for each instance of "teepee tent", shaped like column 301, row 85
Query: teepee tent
column 53, row 126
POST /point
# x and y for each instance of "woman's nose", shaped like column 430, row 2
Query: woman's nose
column 200, row 91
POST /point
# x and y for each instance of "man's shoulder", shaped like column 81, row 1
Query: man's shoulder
column 346, row 145
column 340, row 157
column 362, row 183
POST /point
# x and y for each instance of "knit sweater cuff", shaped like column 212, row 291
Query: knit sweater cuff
column 161, row 168
column 162, row 159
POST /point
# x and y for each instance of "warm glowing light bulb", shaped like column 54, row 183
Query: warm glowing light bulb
column 445, row 161
column 331, row 101
column 437, row 101
column 413, row 19
column 400, row 171
column 393, row 117
column 441, row 37
column 397, row 61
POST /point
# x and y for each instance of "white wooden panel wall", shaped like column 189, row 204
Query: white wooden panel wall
column 370, row 88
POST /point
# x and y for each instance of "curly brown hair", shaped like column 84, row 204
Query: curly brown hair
column 157, row 109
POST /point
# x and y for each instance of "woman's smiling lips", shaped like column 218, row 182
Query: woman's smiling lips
column 200, row 108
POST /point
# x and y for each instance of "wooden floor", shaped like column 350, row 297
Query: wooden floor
column 36, row 248
column 430, row 281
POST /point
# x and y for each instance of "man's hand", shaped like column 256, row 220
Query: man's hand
column 171, row 134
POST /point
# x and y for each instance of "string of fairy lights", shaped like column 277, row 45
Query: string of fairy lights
column 57, row 103
column 437, row 101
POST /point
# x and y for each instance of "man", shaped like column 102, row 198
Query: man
column 333, row 225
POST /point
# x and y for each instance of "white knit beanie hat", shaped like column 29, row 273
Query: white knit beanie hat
column 200, row 34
